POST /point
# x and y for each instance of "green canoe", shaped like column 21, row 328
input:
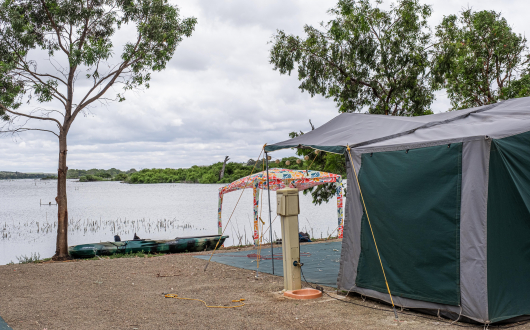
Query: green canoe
column 179, row 244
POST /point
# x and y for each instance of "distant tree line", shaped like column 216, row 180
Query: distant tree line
column 99, row 175
column 194, row 174
column 4, row 175
column 211, row 173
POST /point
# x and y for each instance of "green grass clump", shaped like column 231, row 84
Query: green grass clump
column 128, row 255
column 32, row 258
column 35, row 257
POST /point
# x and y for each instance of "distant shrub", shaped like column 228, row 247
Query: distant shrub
column 50, row 177
column 90, row 178
column 120, row 177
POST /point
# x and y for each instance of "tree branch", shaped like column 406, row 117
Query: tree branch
column 83, row 35
column 56, row 94
column 30, row 72
column 40, row 74
column 23, row 129
column 115, row 74
column 30, row 116
column 360, row 82
column 54, row 27
column 109, row 12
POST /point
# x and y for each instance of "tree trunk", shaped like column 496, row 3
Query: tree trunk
column 223, row 169
column 61, row 250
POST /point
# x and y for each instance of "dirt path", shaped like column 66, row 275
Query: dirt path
column 127, row 294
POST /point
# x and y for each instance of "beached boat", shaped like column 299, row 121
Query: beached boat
column 179, row 244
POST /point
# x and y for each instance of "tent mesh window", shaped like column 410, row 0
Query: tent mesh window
column 413, row 200
column 509, row 227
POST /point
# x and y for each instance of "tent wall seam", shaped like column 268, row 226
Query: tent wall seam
column 487, row 177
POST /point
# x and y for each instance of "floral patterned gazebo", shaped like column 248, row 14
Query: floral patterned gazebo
column 283, row 178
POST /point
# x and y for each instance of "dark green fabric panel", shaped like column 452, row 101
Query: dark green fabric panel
column 413, row 200
column 509, row 228
column 269, row 148
column 332, row 149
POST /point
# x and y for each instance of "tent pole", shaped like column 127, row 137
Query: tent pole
column 270, row 216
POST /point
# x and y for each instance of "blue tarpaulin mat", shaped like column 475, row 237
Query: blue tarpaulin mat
column 321, row 261
column 3, row 325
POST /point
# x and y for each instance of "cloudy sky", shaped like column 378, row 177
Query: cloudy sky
column 218, row 96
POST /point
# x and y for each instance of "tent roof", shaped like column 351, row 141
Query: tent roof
column 281, row 178
column 358, row 129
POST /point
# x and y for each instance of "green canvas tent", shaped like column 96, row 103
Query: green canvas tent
column 448, row 198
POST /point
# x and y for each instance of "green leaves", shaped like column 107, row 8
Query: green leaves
column 45, row 90
column 10, row 92
column 365, row 58
column 478, row 59
column 517, row 88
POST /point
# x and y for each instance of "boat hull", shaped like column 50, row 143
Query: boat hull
column 177, row 245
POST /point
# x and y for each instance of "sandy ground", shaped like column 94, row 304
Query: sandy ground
column 128, row 294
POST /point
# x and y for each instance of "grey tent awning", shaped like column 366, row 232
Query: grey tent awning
column 358, row 129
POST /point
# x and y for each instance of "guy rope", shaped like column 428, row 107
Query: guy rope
column 170, row 295
column 226, row 226
column 371, row 230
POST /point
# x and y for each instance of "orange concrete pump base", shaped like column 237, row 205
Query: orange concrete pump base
column 303, row 294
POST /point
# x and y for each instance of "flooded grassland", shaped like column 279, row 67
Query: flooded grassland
column 99, row 210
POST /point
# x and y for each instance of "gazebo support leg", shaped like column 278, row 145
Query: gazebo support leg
column 340, row 212
column 219, row 220
column 256, row 204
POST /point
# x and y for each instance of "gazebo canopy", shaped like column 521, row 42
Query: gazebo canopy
column 282, row 178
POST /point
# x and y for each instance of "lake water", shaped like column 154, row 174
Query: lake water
column 99, row 210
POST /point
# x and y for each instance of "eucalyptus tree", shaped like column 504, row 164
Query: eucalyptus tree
column 479, row 60
column 365, row 57
column 73, row 41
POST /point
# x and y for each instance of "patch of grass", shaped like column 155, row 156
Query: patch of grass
column 128, row 255
column 33, row 258
column 235, row 247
